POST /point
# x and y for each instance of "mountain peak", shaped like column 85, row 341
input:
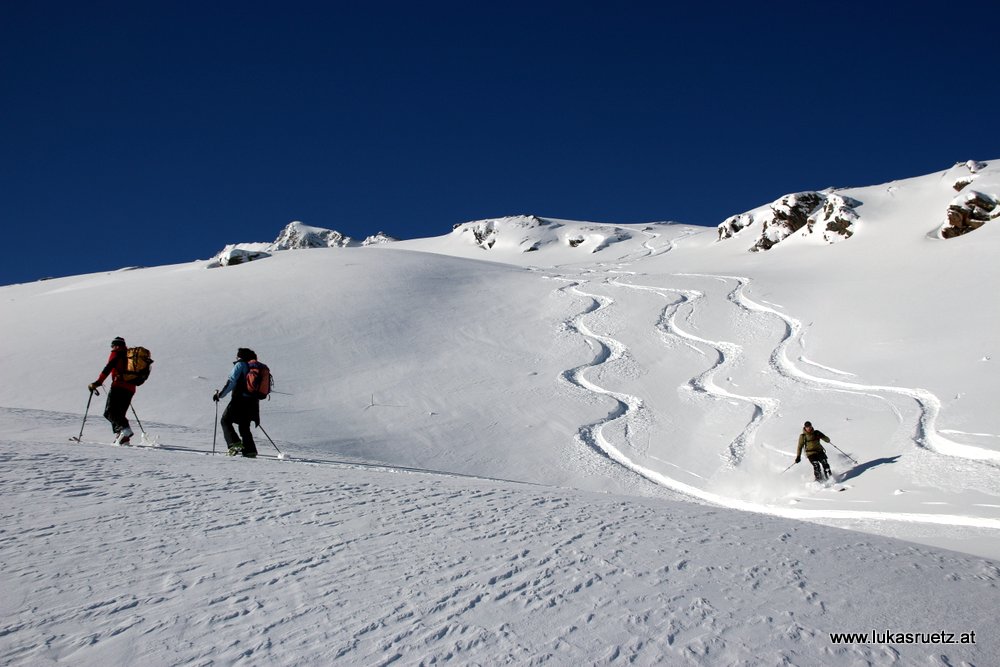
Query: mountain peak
column 295, row 236
column 298, row 235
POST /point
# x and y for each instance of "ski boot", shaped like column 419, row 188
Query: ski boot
column 236, row 448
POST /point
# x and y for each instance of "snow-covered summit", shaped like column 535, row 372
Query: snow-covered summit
column 530, row 233
column 379, row 239
column 295, row 236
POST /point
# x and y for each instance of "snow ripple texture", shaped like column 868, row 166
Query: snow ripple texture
column 209, row 560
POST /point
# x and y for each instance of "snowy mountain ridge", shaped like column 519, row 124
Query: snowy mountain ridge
column 834, row 215
column 295, row 236
column 829, row 216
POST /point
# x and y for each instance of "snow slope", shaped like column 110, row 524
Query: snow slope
column 222, row 561
column 527, row 440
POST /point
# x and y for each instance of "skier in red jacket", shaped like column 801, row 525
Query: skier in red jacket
column 121, row 392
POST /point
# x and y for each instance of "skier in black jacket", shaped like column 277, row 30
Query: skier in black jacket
column 242, row 409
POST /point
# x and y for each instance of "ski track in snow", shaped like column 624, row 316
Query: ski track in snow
column 926, row 435
column 629, row 408
column 626, row 407
column 727, row 352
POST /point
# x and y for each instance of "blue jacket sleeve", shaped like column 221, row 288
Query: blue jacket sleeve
column 240, row 369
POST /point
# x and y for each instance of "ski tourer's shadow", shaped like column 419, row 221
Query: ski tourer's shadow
column 861, row 468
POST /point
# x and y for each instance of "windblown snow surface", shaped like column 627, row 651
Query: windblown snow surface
column 529, row 441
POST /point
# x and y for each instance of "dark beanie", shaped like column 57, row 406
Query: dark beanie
column 118, row 341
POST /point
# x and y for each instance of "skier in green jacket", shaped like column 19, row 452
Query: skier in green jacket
column 810, row 442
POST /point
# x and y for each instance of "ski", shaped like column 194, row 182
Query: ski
column 112, row 444
column 174, row 448
column 142, row 445
column 830, row 484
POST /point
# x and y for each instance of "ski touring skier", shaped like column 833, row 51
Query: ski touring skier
column 121, row 392
column 243, row 407
column 809, row 441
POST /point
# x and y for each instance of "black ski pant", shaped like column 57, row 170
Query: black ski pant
column 821, row 466
column 240, row 412
column 116, row 408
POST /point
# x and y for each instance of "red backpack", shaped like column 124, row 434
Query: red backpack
column 259, row 379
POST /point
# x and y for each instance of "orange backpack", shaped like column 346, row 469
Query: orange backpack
column 137, row 365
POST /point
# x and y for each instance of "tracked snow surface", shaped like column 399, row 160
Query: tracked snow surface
column 529, row 441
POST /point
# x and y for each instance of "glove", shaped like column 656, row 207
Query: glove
column 216, row 396
column 798, row 458
column 92, row 387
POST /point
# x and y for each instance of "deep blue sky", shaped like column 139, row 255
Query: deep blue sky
column 146, row 133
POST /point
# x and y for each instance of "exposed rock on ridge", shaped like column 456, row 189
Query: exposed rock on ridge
column 972, row 209
column 828, row 213
column 969, row 212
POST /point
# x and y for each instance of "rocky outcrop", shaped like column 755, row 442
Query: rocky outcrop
column 974, row 208
column 827, row 213
column 969, row 212
column 240, row 253
column 835, row 218
column 974, row 167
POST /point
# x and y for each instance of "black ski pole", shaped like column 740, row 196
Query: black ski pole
column 268, row 437
column 141, row 429
column 844, row 453
column 215, row 433
column 787, row 469
column 79, row 438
